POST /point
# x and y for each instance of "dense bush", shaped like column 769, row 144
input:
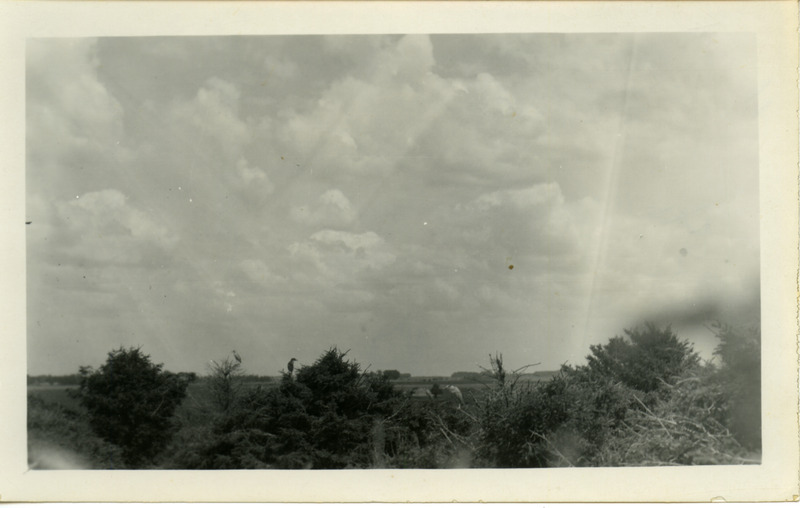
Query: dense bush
column 649, row 357
column 739, row 352
column 130, row 403
column 640, row 401
column 683, row 426
column 563, row 421
column 427, row 434
column 326, row 417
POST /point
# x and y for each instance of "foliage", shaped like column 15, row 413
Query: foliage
column 684, row 426
column 225, row 382
column 427, row 434
column 326, row 417
column 740, row 354
column 391, row 374
column 641, row 400
column 130, row 403
column 563, row 421
column 613, row 411
column 60, row 438
column 649, row 357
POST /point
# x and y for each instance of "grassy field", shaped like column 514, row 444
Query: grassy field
column 199, row 397
column 56, row 394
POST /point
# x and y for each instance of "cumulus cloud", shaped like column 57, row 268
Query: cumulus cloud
column 531, row 223
column 388, row 184
column 396, row 109
column 280, row 68
column 213, row 115
column 102, row 227
column 74, row 124
column 253, row 184
column 68, row 104
column 258, row 271
column 340, row 256
column 332, row 209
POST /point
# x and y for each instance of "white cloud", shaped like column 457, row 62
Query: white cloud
column 213, row 116
column 280, row 68
column 396, row 110
column 332, row 209
column 73, row 122
column 388, row 183
column 546, row 195
column 102, row 227
column 411, row 59
column 532, row 224
column 340, row 256
column 69, row 105
column 253, row 184
column 258, row 271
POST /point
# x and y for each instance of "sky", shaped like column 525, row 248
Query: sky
column 421, row 201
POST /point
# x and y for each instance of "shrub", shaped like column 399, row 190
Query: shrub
column 324, row 418
column 647, row 358
column 563, row 421
column 740, row 373
column 225, row 382
column 570, row 419
column 642, row 401
column 427, row 434
column 130, row 403
column 684, row 426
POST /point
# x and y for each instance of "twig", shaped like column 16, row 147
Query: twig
column 446, row 437
column 443, row 428
column 363, row 373
column 661, row 423
column 157, row 408
column 525, row 367
column 400, row 409
column 475, row 419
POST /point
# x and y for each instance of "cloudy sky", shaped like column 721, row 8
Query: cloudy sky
column 423, row 201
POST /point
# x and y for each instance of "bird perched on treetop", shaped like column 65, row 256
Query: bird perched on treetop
column 236, row 355
column 290, row 365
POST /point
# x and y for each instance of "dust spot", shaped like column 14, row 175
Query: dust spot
column 510, row 267
column 684, row 252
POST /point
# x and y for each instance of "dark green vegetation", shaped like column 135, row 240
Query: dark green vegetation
column 130, row 403
column 642, row 399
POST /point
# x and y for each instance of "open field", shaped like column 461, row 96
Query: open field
column 56, row 394
column 199, row 396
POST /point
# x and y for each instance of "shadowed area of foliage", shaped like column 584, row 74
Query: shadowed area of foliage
column 645, row 399
column 323, row 418
column 130, row 403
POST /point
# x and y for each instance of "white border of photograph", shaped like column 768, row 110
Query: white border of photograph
column 775, row 24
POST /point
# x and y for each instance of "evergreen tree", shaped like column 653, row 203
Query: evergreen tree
column 131, row 403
